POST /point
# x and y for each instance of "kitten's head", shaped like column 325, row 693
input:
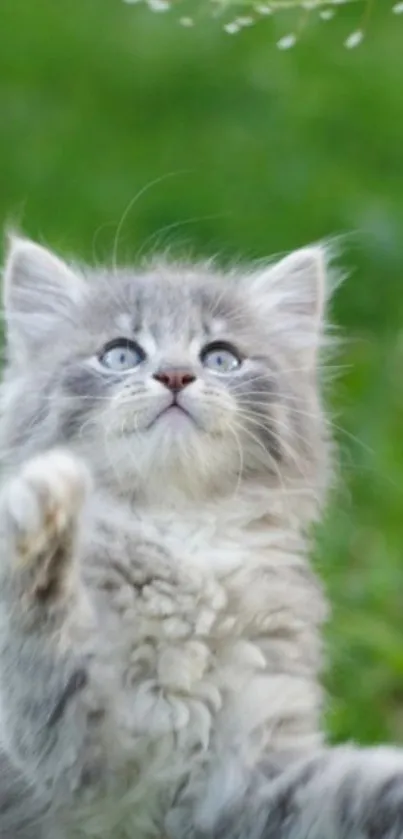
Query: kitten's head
column 173, row 378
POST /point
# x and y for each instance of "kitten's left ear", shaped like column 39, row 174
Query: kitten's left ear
column 292, row 295
column 40, row 292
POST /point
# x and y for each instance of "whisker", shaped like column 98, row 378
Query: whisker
column 232, row 430
column 272, row 465
column 131, row 204
column 268, row 426
column 176, row 224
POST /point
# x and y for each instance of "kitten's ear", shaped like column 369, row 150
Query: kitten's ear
column 39, row 293
column 292, row 293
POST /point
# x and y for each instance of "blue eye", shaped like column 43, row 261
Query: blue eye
column 121, row 354
column 221, row 358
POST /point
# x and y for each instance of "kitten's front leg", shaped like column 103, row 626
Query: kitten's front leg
column 340, row 793
column 47, row 710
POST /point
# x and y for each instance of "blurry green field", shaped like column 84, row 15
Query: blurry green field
column 251, row 151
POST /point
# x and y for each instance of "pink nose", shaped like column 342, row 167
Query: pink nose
column 174, row 379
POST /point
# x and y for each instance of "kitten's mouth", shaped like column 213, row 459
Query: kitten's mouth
column 174, row 411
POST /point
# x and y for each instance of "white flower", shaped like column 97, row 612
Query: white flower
column 398, row 8
column 287, row 41
column 244, row 21
column 232, row 28
column 187, row 22
column 158, row 5
column 354, row 39
column 263, row 10
column 327, row 14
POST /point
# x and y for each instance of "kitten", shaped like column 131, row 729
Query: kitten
column 163, row 455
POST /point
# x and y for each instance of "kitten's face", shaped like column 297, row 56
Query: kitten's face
column 171, row 378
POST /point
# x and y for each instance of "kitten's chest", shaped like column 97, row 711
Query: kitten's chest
column 195, row 646
column 166, row 570
column 191, row 608
column 171, row 596
column 164, row 632
column 164, row 582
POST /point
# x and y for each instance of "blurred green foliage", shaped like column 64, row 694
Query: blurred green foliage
column 243, row 150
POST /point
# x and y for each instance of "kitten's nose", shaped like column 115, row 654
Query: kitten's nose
column 175, row 379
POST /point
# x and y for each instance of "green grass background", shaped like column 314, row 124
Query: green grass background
column 257, row 151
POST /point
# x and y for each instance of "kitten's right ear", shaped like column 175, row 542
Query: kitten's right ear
column 292, row 295
column 40, row 292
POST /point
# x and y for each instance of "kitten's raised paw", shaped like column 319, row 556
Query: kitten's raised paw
column 41, row 507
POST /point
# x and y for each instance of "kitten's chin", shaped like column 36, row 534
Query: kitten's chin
column 175, row 419
column 173, row 459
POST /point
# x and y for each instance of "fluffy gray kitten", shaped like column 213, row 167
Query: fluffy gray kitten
column 163, row 454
